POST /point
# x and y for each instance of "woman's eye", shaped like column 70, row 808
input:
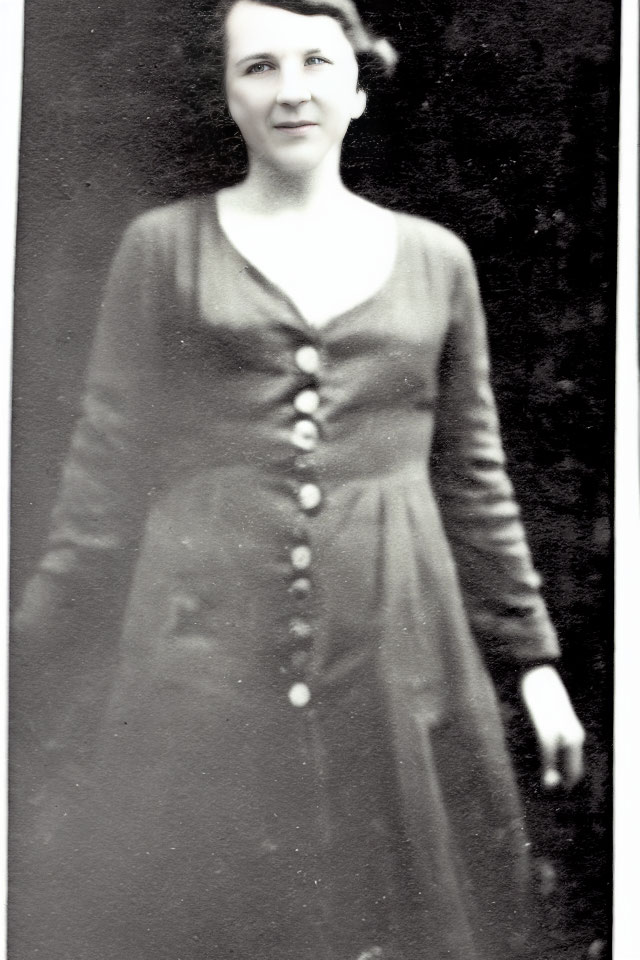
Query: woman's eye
column 261, row 67
column 315, row 61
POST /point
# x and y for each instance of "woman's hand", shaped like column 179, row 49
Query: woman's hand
column 559, row 733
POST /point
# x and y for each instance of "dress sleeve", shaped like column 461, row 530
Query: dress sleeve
column 481, row 517
column 80, row 584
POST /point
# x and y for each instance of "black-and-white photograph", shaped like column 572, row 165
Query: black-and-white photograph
column 311, row 649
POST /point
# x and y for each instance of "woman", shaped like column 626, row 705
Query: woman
column 288, row 422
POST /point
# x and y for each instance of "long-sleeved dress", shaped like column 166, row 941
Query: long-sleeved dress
column 300, row 754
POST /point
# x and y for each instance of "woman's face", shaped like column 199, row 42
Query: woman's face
column 291, row 85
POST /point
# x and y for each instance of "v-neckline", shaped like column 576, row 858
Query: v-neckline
column 317, row 330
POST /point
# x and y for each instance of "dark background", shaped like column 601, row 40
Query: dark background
column 501, row 122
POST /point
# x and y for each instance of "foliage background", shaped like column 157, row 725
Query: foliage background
column 501, row 122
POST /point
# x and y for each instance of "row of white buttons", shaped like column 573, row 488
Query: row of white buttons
column 304, row 437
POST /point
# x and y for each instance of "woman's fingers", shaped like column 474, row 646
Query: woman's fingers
column 550, row 762
column 574, row 765
column 551, row 778
column 562, row 765
column 559, row 733
column 572, row 746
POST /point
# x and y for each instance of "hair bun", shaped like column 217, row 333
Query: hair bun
column 386, row 53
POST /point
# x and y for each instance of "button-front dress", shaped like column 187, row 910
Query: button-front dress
column 300, row 755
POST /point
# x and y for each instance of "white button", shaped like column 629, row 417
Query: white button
column 299, row 695
column 299, row 628
column 301, row 587
column 309, row 496
column 308, row 359
column 307, row 401
column 305, row 435
column 301, row 557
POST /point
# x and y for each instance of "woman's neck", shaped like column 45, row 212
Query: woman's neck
column 268, row 191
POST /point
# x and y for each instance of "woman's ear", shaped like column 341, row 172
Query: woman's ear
column 360, row 104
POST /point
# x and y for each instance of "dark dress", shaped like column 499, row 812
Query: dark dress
column 300, row 756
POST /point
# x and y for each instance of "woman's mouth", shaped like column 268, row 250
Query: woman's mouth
column 295, row 128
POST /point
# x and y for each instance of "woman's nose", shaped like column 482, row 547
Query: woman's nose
column 294, row 88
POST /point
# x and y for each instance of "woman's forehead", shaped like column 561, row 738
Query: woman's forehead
column 252, row 25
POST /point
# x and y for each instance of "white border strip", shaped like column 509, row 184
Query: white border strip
column 11, row 50
column 626, row 938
